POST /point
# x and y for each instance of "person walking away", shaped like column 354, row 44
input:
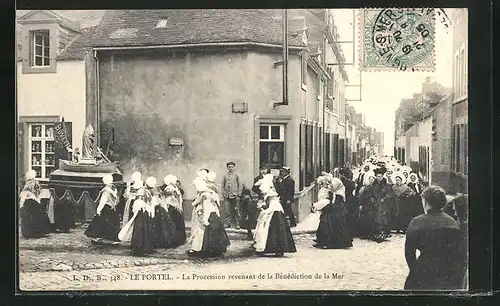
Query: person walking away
column 333, row 232
column 35, row 222
column 163, row 226
column 272, row 233
column 384, row 197
column 210, row 239
column 437, row 237
column 415, row 201
column 366, row 209
column 139, row 229
column 351, row 202
column 287, row 194
column 173, row 200
column 231, row 189
column 402, row 213
column 461, row 204
column 105, row 226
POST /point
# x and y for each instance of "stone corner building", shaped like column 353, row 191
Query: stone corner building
column 169, row 91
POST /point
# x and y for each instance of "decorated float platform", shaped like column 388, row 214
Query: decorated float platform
column 80, row 186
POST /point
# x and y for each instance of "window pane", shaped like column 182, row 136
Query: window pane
column 36, row 159
column 49, row 131
column 38, row 61
column 46, row 39
column 38, row 171
column 272, row 154
column 38, row 50
column 38, row 39
column 275, row 132
column 46, row 61
column 264, row 132
column 36, row 131
column 46, row 51
column 49, row 147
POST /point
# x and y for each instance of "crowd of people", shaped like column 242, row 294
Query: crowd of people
column 371, row 202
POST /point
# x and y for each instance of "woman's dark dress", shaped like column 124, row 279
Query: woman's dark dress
column 178, row 227
column 366, row 222
column 415, row 201
column 64, row 215
column 34, row 220
column 279, row 237
column 141, row 242
column 333, row 232
column 437, row 236
column 352, row 207
column 106, row 225
column 163, row 228
column 215, row 239
column 384, row 196
column 403, row 210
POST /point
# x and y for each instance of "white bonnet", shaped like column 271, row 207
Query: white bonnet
column 170, row 179
column 30, row 174
column 107, row 179
column 136, row 176
column 151, row 181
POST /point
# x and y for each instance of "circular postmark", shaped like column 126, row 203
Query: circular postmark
column 401, row 39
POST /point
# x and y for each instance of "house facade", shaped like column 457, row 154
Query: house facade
column 459, row 118
column 170, row 91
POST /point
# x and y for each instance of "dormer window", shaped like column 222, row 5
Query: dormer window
column 40, row 51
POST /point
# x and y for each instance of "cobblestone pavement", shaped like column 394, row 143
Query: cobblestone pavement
column 366, row 266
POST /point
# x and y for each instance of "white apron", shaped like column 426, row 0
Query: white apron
column 263, row 223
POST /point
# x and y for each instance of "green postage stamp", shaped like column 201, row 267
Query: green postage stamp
column 397, row 39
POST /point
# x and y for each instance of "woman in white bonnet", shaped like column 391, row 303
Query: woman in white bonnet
column 34, row 219
column 209, row 238
column 173, row 201
column 162, row 223
column 129, row 195
column 106, row 223
column 272, row 233
column 139, row 229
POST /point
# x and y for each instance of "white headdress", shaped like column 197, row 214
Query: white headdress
column 107, row 179
column 266, row 185
column 151, row 182
column 200, row 184
column 30, row 174
column 399, row 174
column 337, row 187
column 170, row 179
column 138, row 184
column 413, row 174
column 136, row 176
column 202, row 173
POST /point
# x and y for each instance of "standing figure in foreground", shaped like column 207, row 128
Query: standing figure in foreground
column 139, row 229
column 106, row 223
column 287, row 194
column 351, row 202
column 437, row 237
column 35, row 222
column 210, row 238
column 272, row 233
column 402, row 212
column 231, row 190
column 384, row 197
column 366, row 208
column 173, row 200
column 332, row 232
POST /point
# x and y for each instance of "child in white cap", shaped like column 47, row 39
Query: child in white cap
column 173, row 201
column 162, row 224
column 106, row 223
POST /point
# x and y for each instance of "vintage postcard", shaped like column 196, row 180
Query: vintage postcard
column 245, row 149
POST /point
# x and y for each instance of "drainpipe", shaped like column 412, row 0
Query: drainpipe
column 97, row 98
column 285, row 60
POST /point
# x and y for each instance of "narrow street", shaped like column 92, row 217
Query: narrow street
column 367, row 266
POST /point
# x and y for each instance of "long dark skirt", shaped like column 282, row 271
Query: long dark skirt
column 162, row 228
column 333, row 232
column 178, row 227
column 34, row 220
column 64, row 216
column 405, row 214
column 106, row 225
column 141, row 242
column 215, row 239
column 352, row 207
column 366, row 223
column 415, row 203
column 279, row 237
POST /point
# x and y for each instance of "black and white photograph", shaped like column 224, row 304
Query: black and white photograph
column 242, row 149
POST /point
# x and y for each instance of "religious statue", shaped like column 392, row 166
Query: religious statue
column 88, row 146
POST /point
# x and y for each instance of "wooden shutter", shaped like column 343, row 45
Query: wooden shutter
column 60, row 151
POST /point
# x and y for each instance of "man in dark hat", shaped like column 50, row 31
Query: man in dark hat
column 231, row 191
column 384, row 197
column 286, row 191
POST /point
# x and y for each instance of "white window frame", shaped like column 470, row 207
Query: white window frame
column 43, row 139
column 282, row 133
column 34, row 55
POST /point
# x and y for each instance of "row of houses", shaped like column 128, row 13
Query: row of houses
column 431, row 129
column 169, row 91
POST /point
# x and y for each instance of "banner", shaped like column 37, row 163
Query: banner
column 62, row 141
